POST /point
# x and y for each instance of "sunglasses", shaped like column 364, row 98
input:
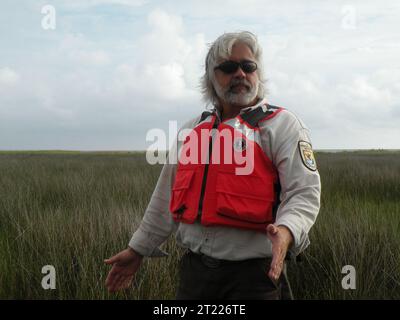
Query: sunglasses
column 230, row 67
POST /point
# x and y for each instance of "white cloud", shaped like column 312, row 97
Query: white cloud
column 82, row 51
column 97, row 57
column 167, row 65
column 164, row 42
column 151, row 82
column 81, row 88
column 8, row 77
column 92, row 3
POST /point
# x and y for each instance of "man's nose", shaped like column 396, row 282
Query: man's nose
column 239, row 73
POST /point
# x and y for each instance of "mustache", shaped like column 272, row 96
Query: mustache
column 236, row 82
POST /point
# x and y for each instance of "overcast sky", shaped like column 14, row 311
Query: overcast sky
column 112, row 70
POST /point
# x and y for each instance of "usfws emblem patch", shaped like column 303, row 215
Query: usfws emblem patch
column 307, row 155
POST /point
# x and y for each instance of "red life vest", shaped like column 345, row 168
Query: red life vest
column 208, row 184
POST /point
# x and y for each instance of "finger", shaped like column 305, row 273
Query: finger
column 111, row 277
column 276, row 266
column 127, row 282
column 272, row 229
column 112, row 260
column 113, row 286
column 274, row 275
column 275, row 270
column 119, row 283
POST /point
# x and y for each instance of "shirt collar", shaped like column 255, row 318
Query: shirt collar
column 260, row 103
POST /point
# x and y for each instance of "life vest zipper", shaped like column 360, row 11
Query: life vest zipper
column 203, row 184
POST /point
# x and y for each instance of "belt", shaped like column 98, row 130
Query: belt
column 216, row 263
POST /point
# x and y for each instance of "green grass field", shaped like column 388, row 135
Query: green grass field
column 71, row 210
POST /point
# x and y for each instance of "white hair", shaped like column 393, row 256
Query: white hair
column 222, row 49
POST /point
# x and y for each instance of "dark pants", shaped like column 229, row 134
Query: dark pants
column 202, row 277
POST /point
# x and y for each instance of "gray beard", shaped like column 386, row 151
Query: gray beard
column 234, row 98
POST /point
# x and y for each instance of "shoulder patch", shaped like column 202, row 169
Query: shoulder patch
column 307, row 155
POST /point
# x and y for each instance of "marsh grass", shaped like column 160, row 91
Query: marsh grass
column 71, row 210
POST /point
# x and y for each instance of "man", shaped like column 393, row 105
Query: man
column 238, row 228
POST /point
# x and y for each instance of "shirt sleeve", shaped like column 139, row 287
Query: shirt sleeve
column 300, row 181
column 157, row 223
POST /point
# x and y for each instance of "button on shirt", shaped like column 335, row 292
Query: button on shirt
column 299, row 207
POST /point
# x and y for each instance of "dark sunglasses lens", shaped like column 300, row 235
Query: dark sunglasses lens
column 249, row 66
column 232, row 66
column 229, row 67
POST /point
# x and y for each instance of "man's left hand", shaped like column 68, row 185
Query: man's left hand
column 281, row 239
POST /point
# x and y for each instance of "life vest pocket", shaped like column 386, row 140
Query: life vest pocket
column 179, row 202
column 244, row 197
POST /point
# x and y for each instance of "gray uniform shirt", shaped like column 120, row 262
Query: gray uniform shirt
column 299, row 207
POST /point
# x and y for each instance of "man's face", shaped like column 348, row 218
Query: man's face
column 238, row 88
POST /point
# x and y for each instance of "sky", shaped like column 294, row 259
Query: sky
column 102, row 74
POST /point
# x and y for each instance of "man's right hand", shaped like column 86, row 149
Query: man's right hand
column 124, row 266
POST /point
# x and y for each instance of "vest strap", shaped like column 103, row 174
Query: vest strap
column 205, row 115
column 253, row 117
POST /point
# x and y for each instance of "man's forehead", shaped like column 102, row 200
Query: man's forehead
column 240, row 51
